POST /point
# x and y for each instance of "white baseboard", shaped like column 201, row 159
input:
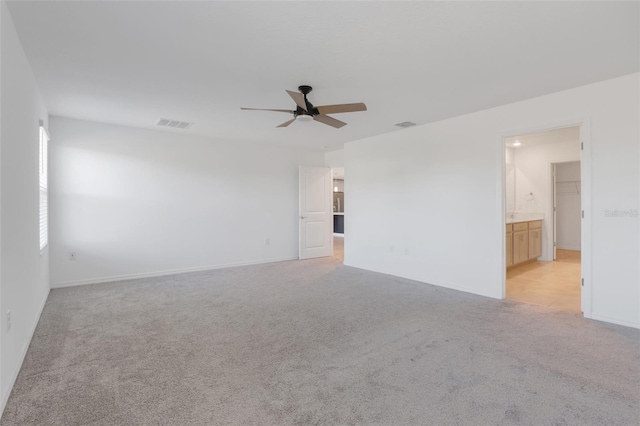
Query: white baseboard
column 450, row 287
column 613, row 321
column 7, row 392
column 115, row 278
column 335, row 234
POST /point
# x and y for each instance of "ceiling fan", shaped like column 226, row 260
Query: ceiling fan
column 318, row 113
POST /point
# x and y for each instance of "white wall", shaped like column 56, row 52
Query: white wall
column 23, row 269
column 510, row 182
column 568, row 202
column 132, row 202
column 533, row 173
column 334, row 158
column 426, row 202
column 533, row 176
column 568, row 172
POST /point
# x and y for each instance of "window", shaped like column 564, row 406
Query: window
column 44, row 191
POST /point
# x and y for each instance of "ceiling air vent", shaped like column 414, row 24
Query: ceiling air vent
column 406, row 124
column 165, row 122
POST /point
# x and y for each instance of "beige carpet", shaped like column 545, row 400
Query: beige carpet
column 315, row 342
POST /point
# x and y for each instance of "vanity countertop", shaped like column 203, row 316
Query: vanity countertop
column 521, row 220
column 523, row 217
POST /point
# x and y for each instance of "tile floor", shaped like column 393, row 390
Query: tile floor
column 553, row 284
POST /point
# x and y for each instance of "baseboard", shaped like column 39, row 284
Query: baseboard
column 115, row 278
column 14, row 376
column 572, row 248
column 613, row 321
column 450, row 287
column 335, row 234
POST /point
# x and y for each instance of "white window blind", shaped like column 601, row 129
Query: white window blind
column 44, row 190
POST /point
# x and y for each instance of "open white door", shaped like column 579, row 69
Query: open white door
column 316, row 218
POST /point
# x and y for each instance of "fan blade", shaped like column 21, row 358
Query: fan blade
column 325, row 119
column 335, row 109
column 263, row 109
column 298, row 98
column 286, row 123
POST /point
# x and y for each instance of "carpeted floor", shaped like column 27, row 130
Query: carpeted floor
column 315, row 342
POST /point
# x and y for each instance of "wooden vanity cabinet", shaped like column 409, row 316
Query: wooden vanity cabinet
column 524, row 242
column 509, row 245
column 520, row 243
column 535, row 239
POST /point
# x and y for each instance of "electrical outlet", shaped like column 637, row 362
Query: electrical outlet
column 72, row 255
column 8, row 320
column 267, row 241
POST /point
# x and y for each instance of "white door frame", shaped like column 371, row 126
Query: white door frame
column 554, row 211
column 585, row 173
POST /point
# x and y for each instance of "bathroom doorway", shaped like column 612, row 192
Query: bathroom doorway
column 543, row 208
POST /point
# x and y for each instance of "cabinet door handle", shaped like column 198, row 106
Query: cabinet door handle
column 303, row 217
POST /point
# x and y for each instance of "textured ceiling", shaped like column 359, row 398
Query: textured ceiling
column 131, row 63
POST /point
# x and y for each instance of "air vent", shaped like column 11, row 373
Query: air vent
column 165, row 122
column 406, row 124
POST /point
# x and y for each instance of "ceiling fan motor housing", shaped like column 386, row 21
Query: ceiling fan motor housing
column 311, row 110
column 305, row 90
column 304, row 108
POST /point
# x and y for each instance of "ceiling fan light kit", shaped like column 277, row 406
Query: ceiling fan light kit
column 304, row 118
column 307, row 112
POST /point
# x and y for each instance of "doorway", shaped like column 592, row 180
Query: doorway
column 338, row 201
column 544, row 227
column 567, row 207
column 338, row 213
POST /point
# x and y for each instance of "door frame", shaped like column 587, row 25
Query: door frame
column 584, row 123
column 554, row 211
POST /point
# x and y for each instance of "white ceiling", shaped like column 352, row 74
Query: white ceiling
column 564, row 134
column 131, row 63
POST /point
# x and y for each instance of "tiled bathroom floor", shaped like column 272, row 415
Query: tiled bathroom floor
column 553, row 284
